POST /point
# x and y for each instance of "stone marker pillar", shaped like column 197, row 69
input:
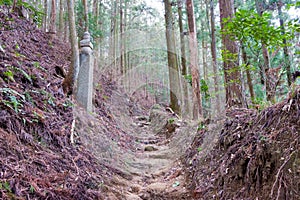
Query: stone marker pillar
column 84, row 94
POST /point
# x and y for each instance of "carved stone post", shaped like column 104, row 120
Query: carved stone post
column 84, row 94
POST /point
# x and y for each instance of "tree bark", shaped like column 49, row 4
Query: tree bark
column 172, row 59
column 232, row 76
column 214, row 55
column 71, row 78
column 61, row 18
column 204, row 59
column 86, row 15
column 52, row 28
column 125, row 37
column 248, row 74
column 45, row 20
column 260, row 6
column 122, row 52
column 197, row 102
column 183, row 59
column 285, row 48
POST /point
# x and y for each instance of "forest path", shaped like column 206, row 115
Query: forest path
column 154, row 170
column 155, row 167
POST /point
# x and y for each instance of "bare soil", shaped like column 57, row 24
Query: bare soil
column 254, row 156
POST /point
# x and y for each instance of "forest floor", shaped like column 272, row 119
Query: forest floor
column 121, row 151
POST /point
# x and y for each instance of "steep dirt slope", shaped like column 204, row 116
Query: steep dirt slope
column 37, row 160
column 254, row 155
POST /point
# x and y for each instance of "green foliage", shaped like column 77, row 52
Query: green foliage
column 188, row 77
column 297, row 81
column 15, row 101
column 68, row 104
column 38, row 66
column 34, row 13
column 204, row 89
column 24, row 74
column 9, row 74
column 199, row 149
column 297, row 4
column 260, row 101
column 94, row 27
column 31, row 189
column 48, row 99
column 176, row 184
column 201, row 126
column 6, row 2
column 227, row 56
column 5, row 185
column 51, row 100
column 171, row 120
column 247, row 26
column 260, row 93
column 28, row 97
column 263, row 138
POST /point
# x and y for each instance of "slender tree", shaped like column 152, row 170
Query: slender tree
column 260, row 6
column 172, row 59
column 197, row 102
column 232, row 76
column 285, row 48
column 214, row 54
column 52, row 27
column 71, row 78
column 122, row 24
column 248, row 73
column 183, row 58
column 86, row 15
column 45, row 19
column 61, row 18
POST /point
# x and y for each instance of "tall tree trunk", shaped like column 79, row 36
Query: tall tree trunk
column 197, row 102
column 86, row 15
column 204, row 59
column 67, row 29
column 116, row 38
column 232, row 76
column 112, row 41
column 183, row 59
column 95, row 12
column 248, row 73
column 122, row 37
column 125, row 38
column 45, row 20
column 71, row 78
column 287, row 62
column 61, row 18
column 172, row 59
column 52, row 28
column 260, row 4
column 214, row 55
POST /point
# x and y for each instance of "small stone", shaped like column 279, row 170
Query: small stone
column 150, row 148
column 142, row 118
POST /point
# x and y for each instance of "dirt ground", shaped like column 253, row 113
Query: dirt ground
column 254, row 156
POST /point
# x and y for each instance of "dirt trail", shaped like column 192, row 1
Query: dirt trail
column 153, row 169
